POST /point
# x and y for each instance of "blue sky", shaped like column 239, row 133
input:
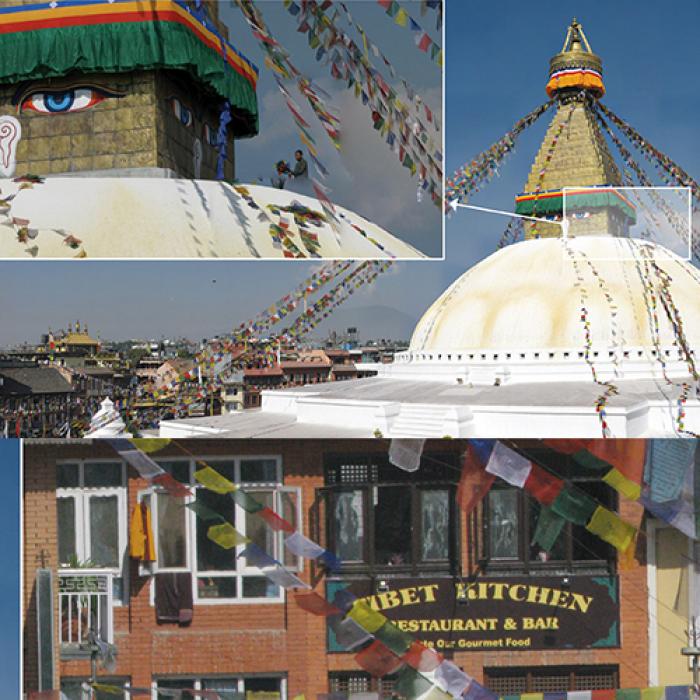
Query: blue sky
column 496, row 68
column 9, row 572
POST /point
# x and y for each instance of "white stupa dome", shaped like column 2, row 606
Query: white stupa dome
column 522, row 306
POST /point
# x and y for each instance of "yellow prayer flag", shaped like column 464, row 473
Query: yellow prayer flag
column 149, row 445
column 370, row 620
column 627, row 560
column 401, row 18
column 439, row 58
column 437, row 693
column 532, row 696
column 212, row 480
column 652, row 693
column 621, row 483
column 226, row 536
column 608, row 526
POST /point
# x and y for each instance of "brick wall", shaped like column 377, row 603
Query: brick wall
column 281, row 638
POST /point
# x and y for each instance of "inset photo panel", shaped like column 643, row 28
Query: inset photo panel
column 202, row 129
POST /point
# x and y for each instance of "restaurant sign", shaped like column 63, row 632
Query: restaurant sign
column 498, row 614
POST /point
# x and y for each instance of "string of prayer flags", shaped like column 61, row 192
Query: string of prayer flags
column 422, row 39
column 147, row 468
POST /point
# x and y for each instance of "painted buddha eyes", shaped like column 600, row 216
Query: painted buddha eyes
column 181, row 112
column 65, row 101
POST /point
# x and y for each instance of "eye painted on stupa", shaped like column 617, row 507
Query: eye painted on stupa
column 182, row 113
column 65, row 101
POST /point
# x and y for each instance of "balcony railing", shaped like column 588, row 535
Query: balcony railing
column 84, row 606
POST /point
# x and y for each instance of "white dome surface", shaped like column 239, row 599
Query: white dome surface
column 157, row 217
column 526, row 297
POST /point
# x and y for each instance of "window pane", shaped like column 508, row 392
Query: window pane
column 66, row 530
column 256, row 529
column 227, row 688
column 259, row 587
column 178, row 470
column 216, row 587
column 262, row 688
column 104, row 530
column 392, row 525
column 435, row 517
column 72, row 689
column 225, row 468
column 349, row 525
column 179, row 684
column 67, row 475
column 210, row 555
column 172, row 532
column 103, row 474
column 503, row 523
column 259, row 470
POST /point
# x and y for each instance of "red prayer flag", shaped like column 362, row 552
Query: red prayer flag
column 474, row 483
column 545, row 487
column 424, row 43
column 171, row 485
column 378, row 659
column 422, row 658
column 315, row 604
column 275, row 521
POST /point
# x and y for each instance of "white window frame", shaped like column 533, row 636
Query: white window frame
column 243, row 570
column 81, row 495
column 237, row 678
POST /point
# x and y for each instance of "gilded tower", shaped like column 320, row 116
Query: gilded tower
column 574, row 153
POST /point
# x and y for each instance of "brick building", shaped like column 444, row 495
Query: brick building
column 147, row 111
column 399, row 535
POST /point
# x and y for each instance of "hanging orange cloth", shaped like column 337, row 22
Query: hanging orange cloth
column 141, row 534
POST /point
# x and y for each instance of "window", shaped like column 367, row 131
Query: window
column 350, row 682
column 550, row 679
column 78, row 689
column 381, row 518
column 231, row 688
column 182, row 544
column 91, row 504
column 502, row 528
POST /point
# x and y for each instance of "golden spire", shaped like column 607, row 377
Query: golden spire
column 576, row 67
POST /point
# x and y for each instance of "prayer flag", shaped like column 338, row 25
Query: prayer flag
column 211, row 479
column 368, row 619
column 303, row 546
column 150, row 445
column 608, row 526
column 574, row 505
column 315, row 604
column 509, row 465
column 347, row 632
column 204, row 512
column 475, row 481
column 669, row 461
column 422, row 658
column 277, row 523
column 401, row 18
column 283, row 578
column 226, row 536
column 393, row 638
column 378, row 660
column 410, row 684
column 255, row 556
column 452, row 679
column 543, row 485
column 405, row 453
column 248, row 503
column 548, row 529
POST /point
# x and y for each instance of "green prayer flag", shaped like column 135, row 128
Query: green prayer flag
column 628, row 694
column 395, row 639
column 574, row 505
column 204, row 512
column 248, row 503
column 549, row 527
column 411, row 684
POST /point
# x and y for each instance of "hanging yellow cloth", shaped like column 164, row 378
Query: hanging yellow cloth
column 141, row 545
